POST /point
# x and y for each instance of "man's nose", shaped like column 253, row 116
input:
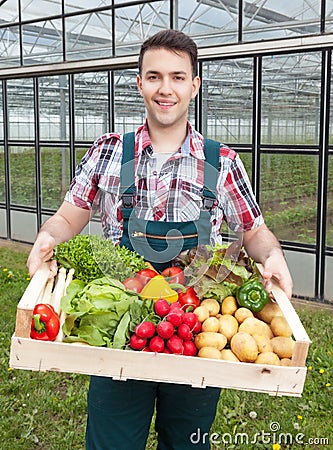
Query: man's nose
column 165, row 86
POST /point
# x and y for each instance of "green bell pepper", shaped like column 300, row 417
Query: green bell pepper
column 252, row 295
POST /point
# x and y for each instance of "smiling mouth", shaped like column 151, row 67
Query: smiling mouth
column 165, row 104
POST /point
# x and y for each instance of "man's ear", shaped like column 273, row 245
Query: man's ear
column 196, row 83
column 139, row 83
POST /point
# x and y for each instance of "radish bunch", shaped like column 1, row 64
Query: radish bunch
column 174, row 333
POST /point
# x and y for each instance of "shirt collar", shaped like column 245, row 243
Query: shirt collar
column 193, row 143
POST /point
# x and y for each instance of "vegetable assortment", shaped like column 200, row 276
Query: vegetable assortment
column 209, row 303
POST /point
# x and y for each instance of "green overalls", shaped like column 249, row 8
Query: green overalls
column 120, row 412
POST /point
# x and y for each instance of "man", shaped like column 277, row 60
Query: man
column 169, row 179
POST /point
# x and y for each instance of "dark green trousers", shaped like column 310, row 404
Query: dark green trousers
column 120, row 414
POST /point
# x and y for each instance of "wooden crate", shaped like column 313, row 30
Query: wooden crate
column 29, row 354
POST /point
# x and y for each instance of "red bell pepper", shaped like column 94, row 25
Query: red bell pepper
column 188, row 298
column 45, row 323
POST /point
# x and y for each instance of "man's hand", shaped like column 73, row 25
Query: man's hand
column 261, row 244
column 42, row 251
column 275, row 267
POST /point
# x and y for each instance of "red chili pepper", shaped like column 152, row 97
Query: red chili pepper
column 188, row 298
column 45, row 323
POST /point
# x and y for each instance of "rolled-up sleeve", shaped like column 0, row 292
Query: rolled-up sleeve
column 240, row 208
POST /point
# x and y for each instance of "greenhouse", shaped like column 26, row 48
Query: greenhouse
column 68, row 75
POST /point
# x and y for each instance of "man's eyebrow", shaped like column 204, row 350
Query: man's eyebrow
column 175, row 72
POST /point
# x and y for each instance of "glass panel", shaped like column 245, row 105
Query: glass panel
column 91, row 105
column 53, row 108
column 21, row 117
column 269, row 19
column 228, row 100
column 41, row 8
column 82, row 5
column 42, row 42
column 290, row 99
column 55, row 175
column 329, row 238
column 134, row 24
column 302, row 268
column 288, row 196
column 209, row 22
column 330, row 130
column 22, row 176
column 9, row 11
column 329, row 279
column 329, row 16
column 129, row 107
column 89, row 36
column 24, row 226
column 1, row 114
column 2, row 176
column 9, row 47
column 3, row 223
column 79, row 153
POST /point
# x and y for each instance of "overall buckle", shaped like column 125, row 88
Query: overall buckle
column 128, row 200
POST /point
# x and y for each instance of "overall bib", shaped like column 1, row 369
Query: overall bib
column 120, row 412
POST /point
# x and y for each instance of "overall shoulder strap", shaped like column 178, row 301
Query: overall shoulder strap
column 212, row 155
column 127, row 188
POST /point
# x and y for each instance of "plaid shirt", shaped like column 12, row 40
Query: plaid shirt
column 173, row 195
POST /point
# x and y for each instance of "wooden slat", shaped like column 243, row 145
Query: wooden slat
column 301, row 337
column 124, row 364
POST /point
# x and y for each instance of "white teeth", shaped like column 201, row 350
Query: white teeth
column 165, row 104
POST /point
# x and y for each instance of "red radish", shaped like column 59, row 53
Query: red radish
column 145, row 330
column 189, row 348
column 175, row 305
column 162, row 307
column 184, row 332
column 156, row 344
column 137, row 343
column 146, row 349
column 175, row 344
column 165, row 329
column 175, row 317
column 166, row 350
column 190, row 319
column 197, row 327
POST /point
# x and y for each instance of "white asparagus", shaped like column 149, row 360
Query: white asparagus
column 59, row 288
column 62, row 315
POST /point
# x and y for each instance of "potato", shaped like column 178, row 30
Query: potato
column 280, row 327
column 210, row 339
column 244, row 347
column 229, row 305
column 263, row 342
column 202, row 313
column 283, row 346
column 209, row 352
column 210, row 324
column 212, row 305
column 252, row 325
column 227, row 355
column 269, row 311
column 228, row 326
column 243, row 313
column 268, row 358
column 285, row 362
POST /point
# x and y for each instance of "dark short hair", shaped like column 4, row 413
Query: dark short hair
column 175, row 41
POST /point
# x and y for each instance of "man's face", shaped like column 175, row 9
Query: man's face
column 167, row 87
